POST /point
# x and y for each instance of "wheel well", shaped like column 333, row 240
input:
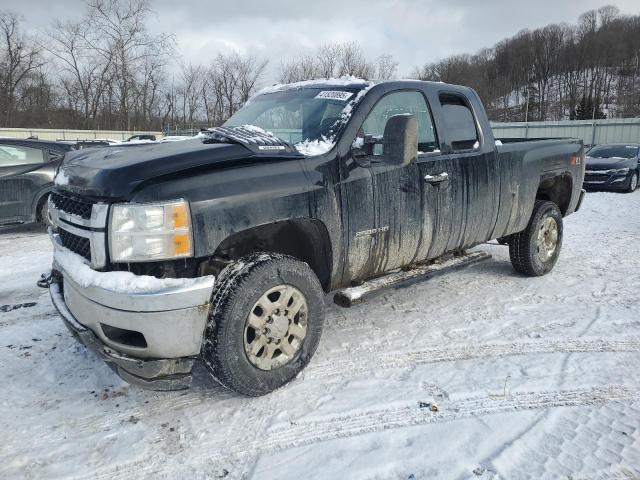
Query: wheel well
column 557, row 190
column 43, row 198
column 304, row 239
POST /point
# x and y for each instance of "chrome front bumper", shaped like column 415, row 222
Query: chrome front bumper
column 170, row 321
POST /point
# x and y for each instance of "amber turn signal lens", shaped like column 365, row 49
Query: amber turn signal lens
column 181, row 244
column 180, row 216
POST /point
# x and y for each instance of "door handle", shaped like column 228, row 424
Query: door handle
column 435, row 179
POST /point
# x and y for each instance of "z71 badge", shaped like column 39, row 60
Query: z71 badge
column 372, row 231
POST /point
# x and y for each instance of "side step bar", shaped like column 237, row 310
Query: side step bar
column 354, row 295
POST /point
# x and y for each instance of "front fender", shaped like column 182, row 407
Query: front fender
column 224, row 202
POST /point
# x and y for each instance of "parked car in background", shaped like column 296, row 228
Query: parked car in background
column 27, row 168
column 144, row 136
column 614, row 166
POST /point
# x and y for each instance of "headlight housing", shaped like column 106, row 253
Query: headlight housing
column 621, row 171
column 146, row 232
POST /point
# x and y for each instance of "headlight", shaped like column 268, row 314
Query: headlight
column 146, row 232
column 621, row 171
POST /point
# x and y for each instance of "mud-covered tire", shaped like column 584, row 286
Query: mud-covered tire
column 523, row 246
column 238, row 287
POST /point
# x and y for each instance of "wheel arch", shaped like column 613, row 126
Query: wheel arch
column 39, row 199
column 303, row 238
column 557, row 189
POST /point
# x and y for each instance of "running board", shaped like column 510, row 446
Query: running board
column 354, row 295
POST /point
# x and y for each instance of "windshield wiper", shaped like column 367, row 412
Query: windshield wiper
column 254, row 138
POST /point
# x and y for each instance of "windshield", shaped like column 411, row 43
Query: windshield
column 295, row 116
column 613, row 151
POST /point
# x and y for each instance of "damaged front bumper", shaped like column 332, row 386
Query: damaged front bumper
column 150, row 339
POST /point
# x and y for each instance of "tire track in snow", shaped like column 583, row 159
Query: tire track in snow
column 379, row 360
column 308, row 432
column 359, row 364
column 355, row 423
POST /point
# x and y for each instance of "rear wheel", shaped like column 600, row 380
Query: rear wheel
column 264, row 324
column 633, row 182
column 535, row 250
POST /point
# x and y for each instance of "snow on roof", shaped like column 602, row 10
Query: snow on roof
column 346, row 81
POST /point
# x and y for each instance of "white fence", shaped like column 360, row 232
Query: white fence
column 53, row 134
column 592, row 132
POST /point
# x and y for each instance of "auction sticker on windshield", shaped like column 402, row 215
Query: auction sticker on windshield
column 334, row 95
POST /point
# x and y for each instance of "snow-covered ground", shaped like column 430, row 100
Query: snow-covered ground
column 480, row 373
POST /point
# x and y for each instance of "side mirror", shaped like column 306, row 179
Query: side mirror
column 400, row 140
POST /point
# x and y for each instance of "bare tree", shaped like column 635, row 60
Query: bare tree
column 84, row 72
column 19, row 57
column 327, row 60
column 192, row 79
column 301, row 67
column 123, row 40
column 336, row 60
column 353, row 62
column 386, row 67
column 248, row 72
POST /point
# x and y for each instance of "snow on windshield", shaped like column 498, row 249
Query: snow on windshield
column 309, row 114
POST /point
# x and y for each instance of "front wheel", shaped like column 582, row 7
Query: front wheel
column 633, row 182
column 264, row 324
column 535, row 250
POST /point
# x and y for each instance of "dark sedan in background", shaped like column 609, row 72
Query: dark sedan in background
column 613, row 166
column 27, row 168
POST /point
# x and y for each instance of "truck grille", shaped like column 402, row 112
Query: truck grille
column 72, row 205
column 79, row 245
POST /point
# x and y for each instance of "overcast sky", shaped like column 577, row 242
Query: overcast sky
column 413, row 31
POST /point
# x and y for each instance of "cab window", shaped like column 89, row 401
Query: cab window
column 459, row 122
column 399, row 103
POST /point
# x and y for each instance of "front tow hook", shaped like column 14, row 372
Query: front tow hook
column 46, row 279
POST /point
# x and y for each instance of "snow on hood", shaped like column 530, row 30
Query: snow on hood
column 61, row 178
column 311, row 148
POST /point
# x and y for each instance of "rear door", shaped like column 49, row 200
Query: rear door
column 461, row 187
column 16, row 187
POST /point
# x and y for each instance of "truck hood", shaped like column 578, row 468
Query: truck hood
column 116, row 171
column 609, row 163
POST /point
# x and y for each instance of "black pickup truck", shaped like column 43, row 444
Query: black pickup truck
column 221, row 248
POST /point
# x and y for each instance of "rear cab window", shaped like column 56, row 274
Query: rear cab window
column 459, row 122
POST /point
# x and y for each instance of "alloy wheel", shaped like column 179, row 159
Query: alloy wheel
column 547, row 240
column 276, row 327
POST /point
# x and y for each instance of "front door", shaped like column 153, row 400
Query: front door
column 382, row 202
